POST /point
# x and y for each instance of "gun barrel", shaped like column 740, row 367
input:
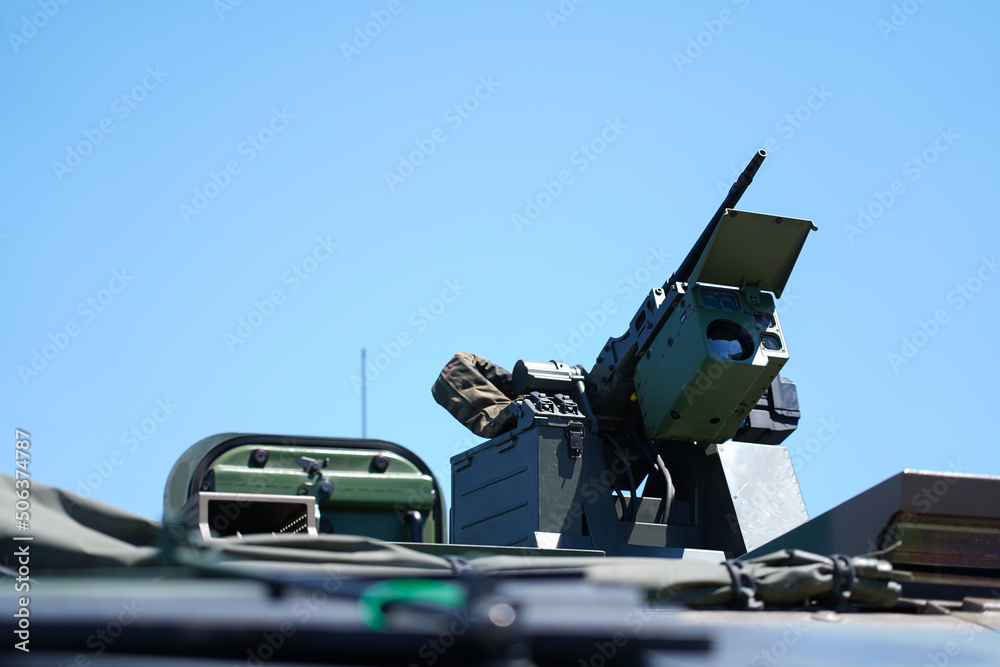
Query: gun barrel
column 683, row 272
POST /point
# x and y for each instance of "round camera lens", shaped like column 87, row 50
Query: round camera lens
column 730, row 340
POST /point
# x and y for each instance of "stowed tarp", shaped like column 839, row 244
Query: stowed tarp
column 71, row 533
column 477, row 393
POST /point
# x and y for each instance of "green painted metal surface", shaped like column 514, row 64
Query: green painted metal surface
column 359, row 502
column 760, row 249
column 686, row 388
column 371, row 488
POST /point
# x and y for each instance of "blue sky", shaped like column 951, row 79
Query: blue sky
column 171, row 169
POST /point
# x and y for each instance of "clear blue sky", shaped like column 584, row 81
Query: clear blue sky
column 169, row 167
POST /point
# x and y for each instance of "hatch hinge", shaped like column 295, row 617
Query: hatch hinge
column 752, row 291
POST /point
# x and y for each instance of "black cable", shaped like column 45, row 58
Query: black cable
column 667, row 506
column 621, row 498
column 642, row 443
column 631, row 479
column 668, row 494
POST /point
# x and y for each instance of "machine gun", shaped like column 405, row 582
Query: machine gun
column 699, row 365
column 751, row 253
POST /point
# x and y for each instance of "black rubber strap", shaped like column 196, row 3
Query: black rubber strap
column 744, row 586
column 843, row 579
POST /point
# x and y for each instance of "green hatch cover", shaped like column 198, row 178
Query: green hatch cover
column 754, row 247
column 362, row 487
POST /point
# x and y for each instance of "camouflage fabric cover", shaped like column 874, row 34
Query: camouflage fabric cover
column 477, row 393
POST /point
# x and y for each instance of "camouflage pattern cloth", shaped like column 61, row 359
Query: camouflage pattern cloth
column 477, row 393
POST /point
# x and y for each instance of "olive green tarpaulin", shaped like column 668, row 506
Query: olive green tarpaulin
column 71, row 531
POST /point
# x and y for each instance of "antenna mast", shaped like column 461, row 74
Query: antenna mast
column 364, row 398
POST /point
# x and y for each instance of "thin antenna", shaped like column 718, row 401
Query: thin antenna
column 364, row 398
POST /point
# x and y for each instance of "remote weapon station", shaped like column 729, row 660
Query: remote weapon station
column 699, row 365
